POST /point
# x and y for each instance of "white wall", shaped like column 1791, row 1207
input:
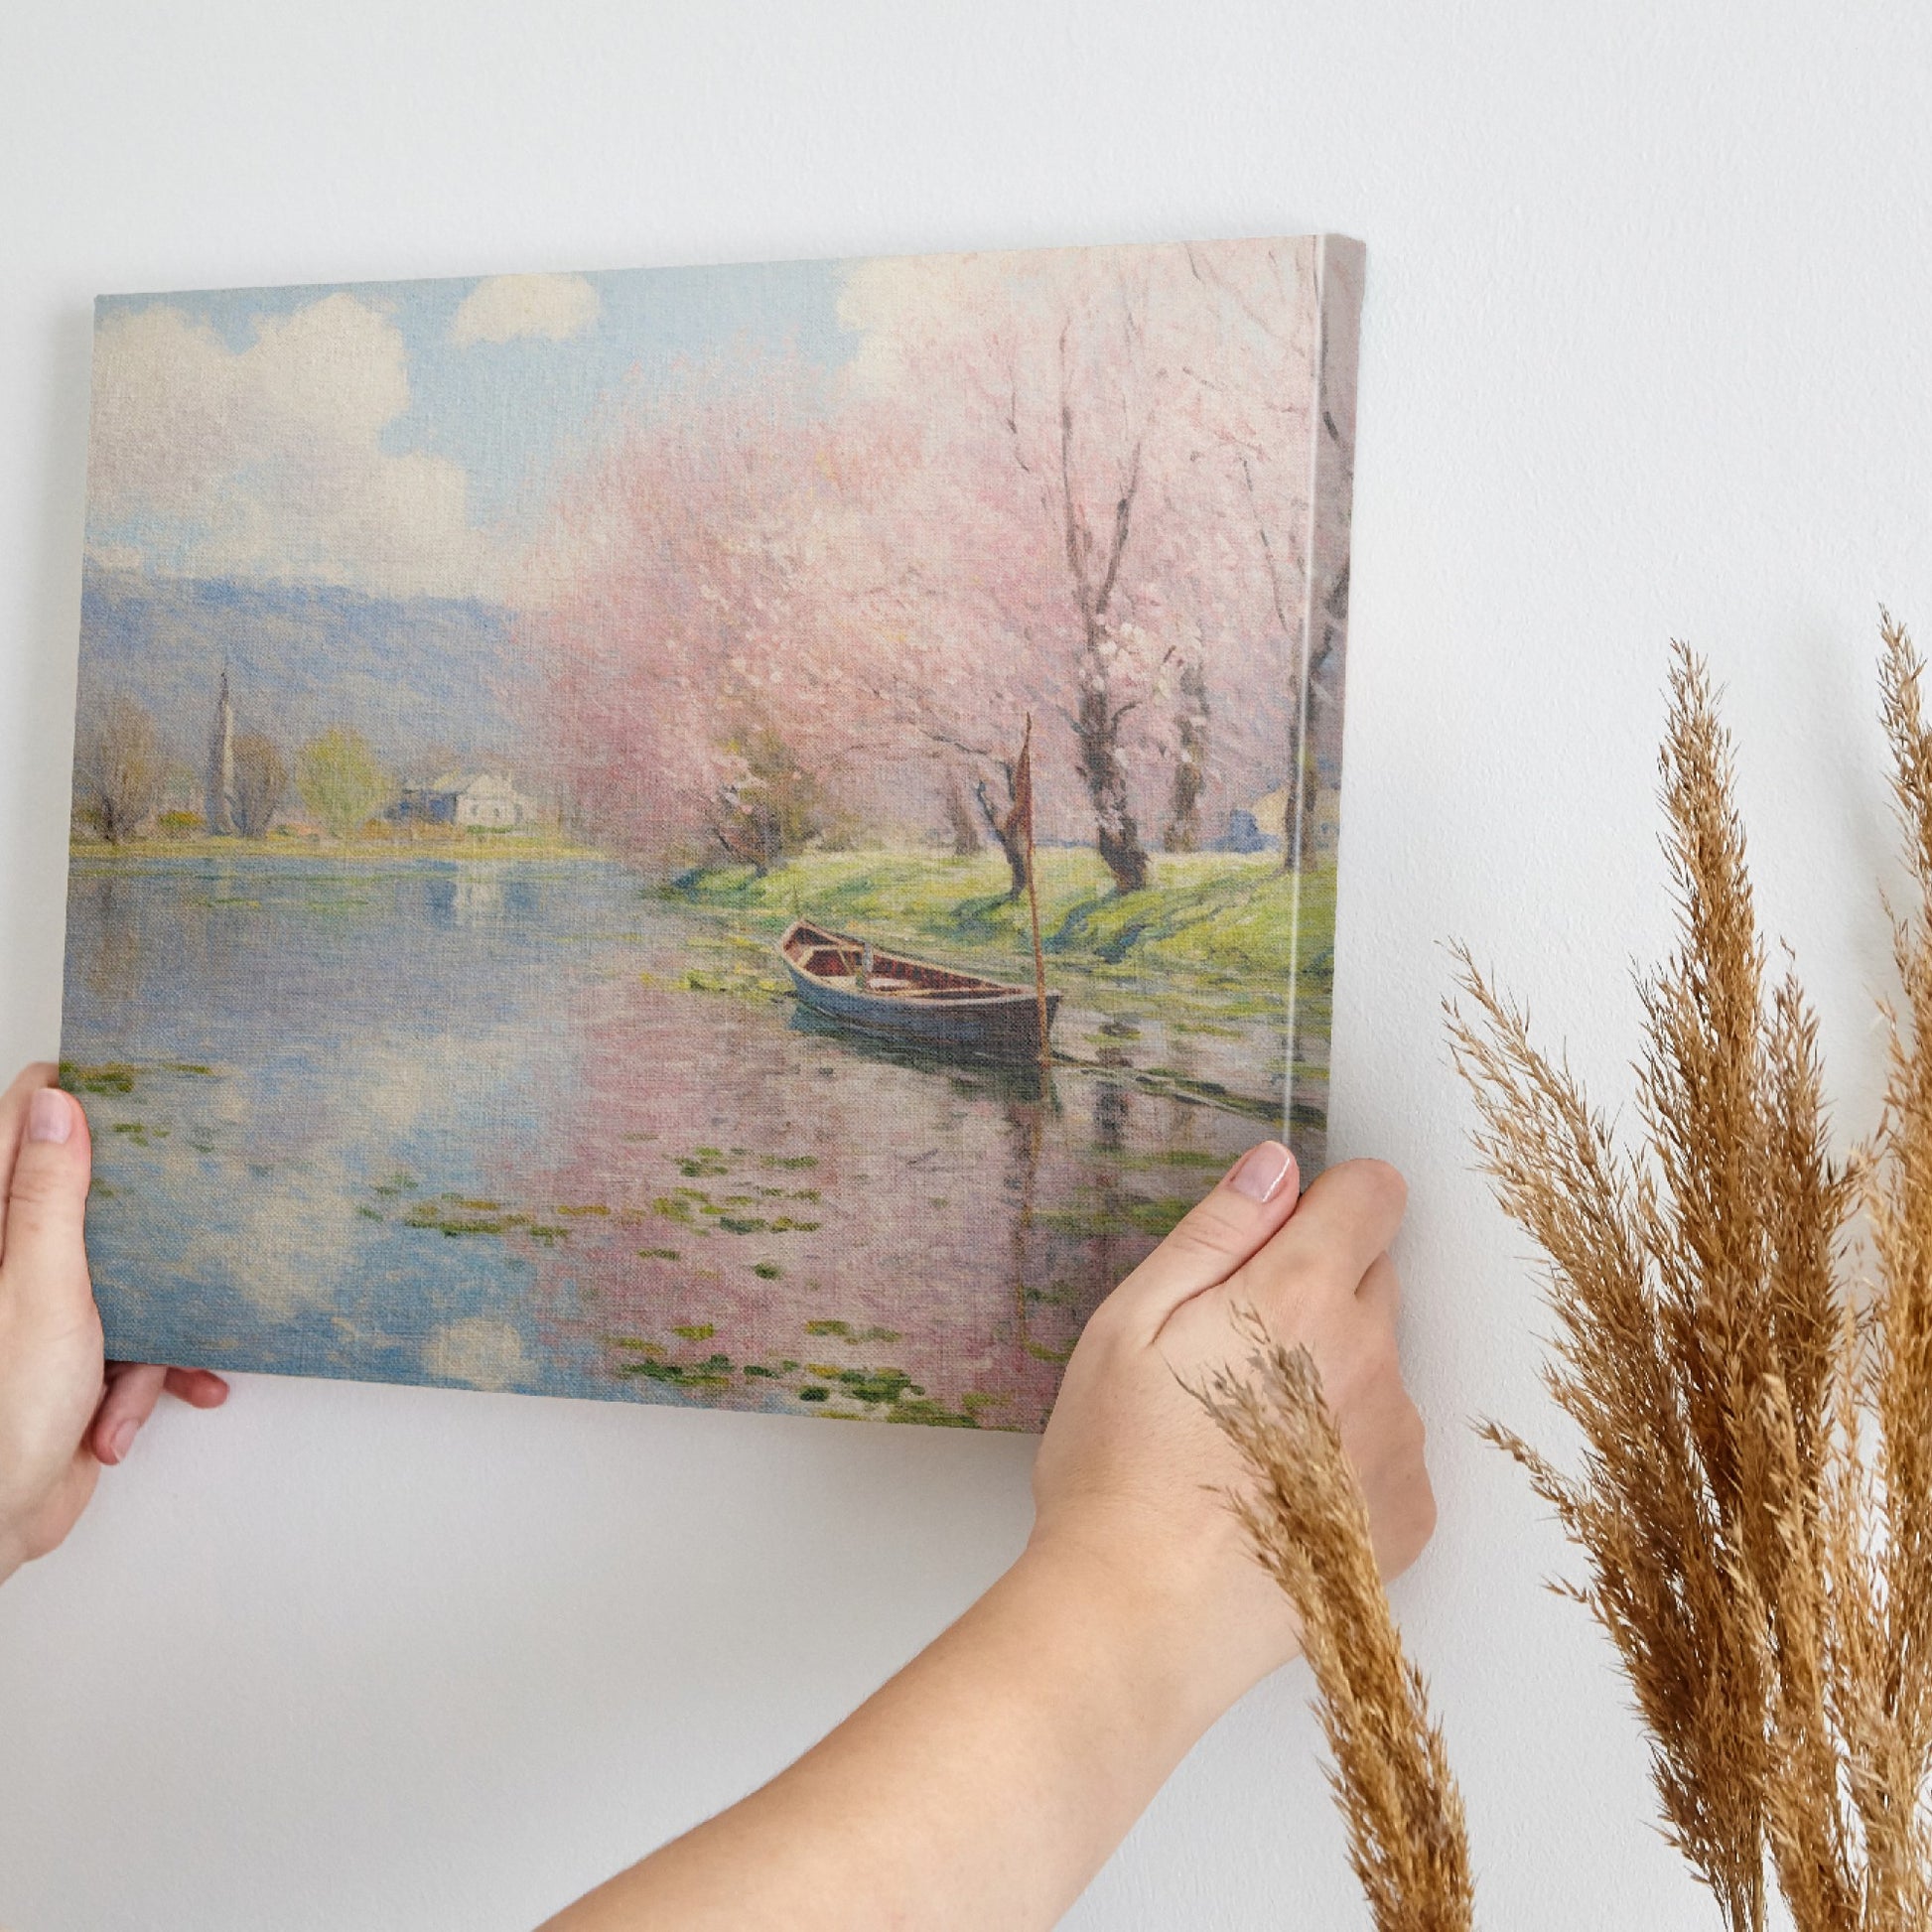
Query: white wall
column 1645, row 353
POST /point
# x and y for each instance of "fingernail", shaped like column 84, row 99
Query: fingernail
column 122, row 1440
column 1262, row 1171
column 50, row 1114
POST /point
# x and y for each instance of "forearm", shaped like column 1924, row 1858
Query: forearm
column 983, row 1785
column 990, row 1779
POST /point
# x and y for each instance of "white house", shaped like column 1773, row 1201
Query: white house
column 466, row 798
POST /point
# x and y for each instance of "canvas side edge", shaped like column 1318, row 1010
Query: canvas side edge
column 1326, row 643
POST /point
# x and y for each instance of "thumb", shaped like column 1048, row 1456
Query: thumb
column 44, row 1264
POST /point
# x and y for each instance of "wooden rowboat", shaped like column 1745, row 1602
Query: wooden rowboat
column 858, row 985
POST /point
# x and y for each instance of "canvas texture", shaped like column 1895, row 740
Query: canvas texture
column 568, row 769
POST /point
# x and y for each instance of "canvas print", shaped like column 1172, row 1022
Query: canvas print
column 739, row 836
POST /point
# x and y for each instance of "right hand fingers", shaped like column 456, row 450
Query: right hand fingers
column 1252, row 1201
column 1347, row 1221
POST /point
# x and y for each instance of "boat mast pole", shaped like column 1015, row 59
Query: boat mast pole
column 1033, row 905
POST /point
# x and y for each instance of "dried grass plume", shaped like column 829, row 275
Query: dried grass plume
column 1307, row 1521
column 1754, row 1391
column 1754, row 1498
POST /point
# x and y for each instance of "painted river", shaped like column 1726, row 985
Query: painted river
column 526, row 1124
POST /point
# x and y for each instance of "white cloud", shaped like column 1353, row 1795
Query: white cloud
column 508, row 305
column 268, row 462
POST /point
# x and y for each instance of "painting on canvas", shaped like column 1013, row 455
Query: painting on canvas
column 554, row 870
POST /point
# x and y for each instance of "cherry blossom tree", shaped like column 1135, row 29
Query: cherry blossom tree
column 1070, row 485
column 1149, row 409
column 1294, row 462
column 702, row 631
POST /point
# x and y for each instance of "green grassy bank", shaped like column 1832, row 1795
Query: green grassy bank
column 1205, row 918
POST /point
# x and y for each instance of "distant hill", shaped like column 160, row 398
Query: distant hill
column 428, row 679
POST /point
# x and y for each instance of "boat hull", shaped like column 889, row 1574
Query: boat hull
column 998, row 1024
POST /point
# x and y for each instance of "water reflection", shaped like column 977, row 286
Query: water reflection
column 523, row 1125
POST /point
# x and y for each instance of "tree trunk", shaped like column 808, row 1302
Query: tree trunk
column 1094, row 571
column 1182, row 831
column 1305, row 782
column 753, row 841
column 1097, row 731
column 966, row 840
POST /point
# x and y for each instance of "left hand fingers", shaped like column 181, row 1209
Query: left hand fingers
column 14, row 1104
column 200, row 1388
column 44, row 1265
column 133, row 1388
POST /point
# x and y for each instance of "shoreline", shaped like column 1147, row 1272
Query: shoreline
column 494, row 848
column 1211, row 928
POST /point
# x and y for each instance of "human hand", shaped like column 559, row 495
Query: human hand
column 64, row 1410
column 1041, row 1721
column 1131, row 1475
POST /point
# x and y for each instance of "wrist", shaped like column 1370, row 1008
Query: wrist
column 1166, row 1639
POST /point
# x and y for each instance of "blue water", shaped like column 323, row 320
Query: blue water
column 359, row 1023
column 523, row 1123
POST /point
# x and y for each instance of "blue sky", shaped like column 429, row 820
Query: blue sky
column 506, row 411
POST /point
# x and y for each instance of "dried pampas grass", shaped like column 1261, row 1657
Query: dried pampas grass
column 1309, row 1525
column 1753, row 1390
column 1754, row 1498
